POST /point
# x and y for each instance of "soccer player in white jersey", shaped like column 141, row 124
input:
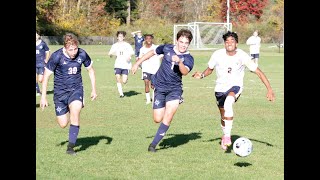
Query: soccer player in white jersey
column 167, row 81
column 230, row 63
column 123, row 52
column 254, row 46
column 149, row 67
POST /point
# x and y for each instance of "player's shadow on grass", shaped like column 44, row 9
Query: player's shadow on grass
column 175, row 140
column 131, row 93
column 86, row 142
column 235, row 137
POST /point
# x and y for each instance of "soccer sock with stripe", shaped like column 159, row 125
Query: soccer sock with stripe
column 160, row 134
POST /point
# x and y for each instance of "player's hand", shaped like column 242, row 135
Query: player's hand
column 43, row 103
column 93, row 96
column 197, row 75
column 271, row 96
column 134, row 68
column 175, row 58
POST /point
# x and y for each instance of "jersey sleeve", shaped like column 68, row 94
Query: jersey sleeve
column 159, row 49
column 212, row 61
column 53, row 61
column 87, row 60
column 189, row 62
column 112, row 50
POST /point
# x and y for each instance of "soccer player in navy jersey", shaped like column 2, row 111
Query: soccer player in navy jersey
column 167, row 81
column 138, row 42
column 229, row 63
column 68, row 96
column 42, row 57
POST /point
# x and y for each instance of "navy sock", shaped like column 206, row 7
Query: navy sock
column 160, row 134
column 37, row 88
column 73, row 133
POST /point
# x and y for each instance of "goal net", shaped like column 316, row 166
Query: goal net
column 205, row 34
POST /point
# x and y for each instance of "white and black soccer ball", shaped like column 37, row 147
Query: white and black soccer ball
column 242, row 147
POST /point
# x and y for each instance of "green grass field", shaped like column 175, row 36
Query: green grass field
column 115, row 133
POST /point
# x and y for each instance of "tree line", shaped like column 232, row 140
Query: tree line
column 104, row 17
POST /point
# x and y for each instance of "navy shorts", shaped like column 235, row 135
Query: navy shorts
column 62, row 102
column 163, row 96
column 146, row 75
column 39, row 70
column 254, row 56
column 221, row 96
column 121, row 71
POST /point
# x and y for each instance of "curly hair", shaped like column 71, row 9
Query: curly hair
column 230, row 34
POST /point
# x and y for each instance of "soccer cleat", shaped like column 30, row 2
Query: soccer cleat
column 71, row 151
column 121, row 96
column 225, row 142
column 38, row 94
column 152, row 148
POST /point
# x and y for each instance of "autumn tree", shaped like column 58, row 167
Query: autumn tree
column 241, row 10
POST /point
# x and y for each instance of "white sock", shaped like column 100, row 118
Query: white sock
column 227, row 127
column 148, row 97
column 119, row 88
column 223, row 129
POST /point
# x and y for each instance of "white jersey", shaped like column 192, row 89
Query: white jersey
column 153, row 63
column 254, row 43
column 230, row 69
column 123, row 51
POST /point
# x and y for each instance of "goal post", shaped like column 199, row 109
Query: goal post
column 205, row 34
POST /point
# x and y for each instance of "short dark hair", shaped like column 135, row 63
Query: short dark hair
column 121, row 32
column 151, row 35
column 186, row 33
column 230, row 34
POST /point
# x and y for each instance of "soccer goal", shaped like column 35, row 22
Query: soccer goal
column 205, row 34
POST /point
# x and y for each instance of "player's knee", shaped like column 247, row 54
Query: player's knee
column 63, row 125
column 228, row 106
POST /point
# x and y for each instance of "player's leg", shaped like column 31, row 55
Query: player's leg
column 164, row 114
column 38, row 92
column 146, row 80
column 232, row 96
column 118, row 80
column 75, row 105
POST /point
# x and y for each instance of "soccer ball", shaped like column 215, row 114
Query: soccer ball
column 242, row 147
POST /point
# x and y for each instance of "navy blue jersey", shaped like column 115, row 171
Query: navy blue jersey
column 67, row 72
column 41, row 53
column 138, row 42
column 168, row 75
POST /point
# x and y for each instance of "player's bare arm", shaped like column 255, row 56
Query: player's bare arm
column 200, row 75
column 270, row 94
column 143, row 58
column 93, row 83
column 43, row 100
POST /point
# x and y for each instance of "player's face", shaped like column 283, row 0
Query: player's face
column 72, row 51
column 148, row 40
column 230, row 44
column 120, row 37
column 183, row 44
